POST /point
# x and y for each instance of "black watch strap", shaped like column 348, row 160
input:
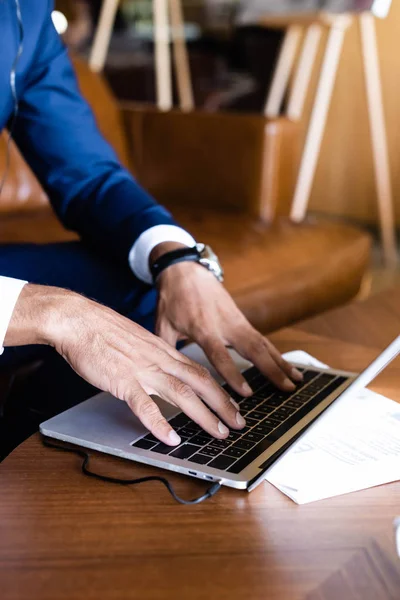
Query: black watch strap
column 172, row 258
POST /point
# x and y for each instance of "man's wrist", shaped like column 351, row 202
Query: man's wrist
column 181, row 267
column 38, row 315
column 162, row 249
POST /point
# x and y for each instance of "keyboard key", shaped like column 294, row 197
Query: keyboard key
column 249, row 422
column 284, row 410
column 259, row 397
column 294, row 403
column 192, row 426
column 282, row 395
column 309, row 375
column 248, row 405
column 258, row 382
column 243, row 444
column 220, row 444
column 210, row 451
column 326, row 378
column 262, row 429
column 300, row 398
column 163, row 449
column 200, row 459
column 186, row 432
column 275, row 402
column 265, row 409
column 255, row 414
column 200, row 440
column 234, row 452
column 233, row 436
column 144, row 444
column 267, row 388
column 313, row 387
column 278, row 417
column 184, row 451
column 253, row 437
column 248, row 458
column 222, row 462
column 250, row 374
column 179, row 421
column 235, row 396
column 270, row 422
column 150, row 438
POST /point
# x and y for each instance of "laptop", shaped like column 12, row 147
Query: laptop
column 274, row 420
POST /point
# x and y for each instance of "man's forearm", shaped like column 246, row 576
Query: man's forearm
column 37, row 314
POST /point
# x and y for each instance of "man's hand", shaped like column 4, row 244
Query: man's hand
column 122, row 358
column 194, row 305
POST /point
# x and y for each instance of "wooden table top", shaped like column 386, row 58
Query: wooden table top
column 64, row 536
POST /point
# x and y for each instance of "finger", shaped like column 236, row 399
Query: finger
column 254, row 347
column 166, row 332
column 181, row 394
column 149, row 414
column 220, row 358
column 289, row 369
column 204, row 385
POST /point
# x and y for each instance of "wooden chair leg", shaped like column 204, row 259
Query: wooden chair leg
column 101, row 42
column 162, row 55
column 303, row 72
column 181, row 59
column 378, row 137
column 282, row 71
column 318, row 117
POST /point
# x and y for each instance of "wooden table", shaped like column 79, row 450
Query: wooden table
column 63, row 536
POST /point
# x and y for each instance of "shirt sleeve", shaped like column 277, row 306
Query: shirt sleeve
column 141, row 249
column 10, row 290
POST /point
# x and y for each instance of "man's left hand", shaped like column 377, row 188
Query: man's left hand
column 194, row 305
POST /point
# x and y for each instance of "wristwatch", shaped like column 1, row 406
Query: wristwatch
column 200, row 253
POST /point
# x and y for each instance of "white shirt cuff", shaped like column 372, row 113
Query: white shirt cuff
column 10, row 290
column 140, row 253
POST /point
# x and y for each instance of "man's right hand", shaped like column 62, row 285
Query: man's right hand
column 118, row 356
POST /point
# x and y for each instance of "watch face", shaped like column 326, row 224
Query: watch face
column 209, row 259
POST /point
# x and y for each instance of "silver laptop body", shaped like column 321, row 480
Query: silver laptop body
column 107, row 425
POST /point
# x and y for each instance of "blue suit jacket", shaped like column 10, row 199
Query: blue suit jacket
column 57, row 134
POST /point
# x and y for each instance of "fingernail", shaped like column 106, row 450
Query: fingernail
column 235, row 404
column 174, row 438
column 240, row 420
column 288, row 384
column 222, row 428
column 297, row 375
column 247, row 389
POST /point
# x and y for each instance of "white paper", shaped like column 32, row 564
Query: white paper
column 355, row 446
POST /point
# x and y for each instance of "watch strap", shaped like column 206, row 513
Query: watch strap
column 172, row 258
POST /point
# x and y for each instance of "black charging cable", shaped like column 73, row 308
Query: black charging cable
column 86, row 471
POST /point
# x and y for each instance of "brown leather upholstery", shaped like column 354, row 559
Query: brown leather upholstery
column 229, row 161
column 283, row 272
column 226, row 177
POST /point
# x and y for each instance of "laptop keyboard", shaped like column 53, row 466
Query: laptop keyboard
column 269, row 414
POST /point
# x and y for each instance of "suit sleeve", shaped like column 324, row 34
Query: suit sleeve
column 57, row 134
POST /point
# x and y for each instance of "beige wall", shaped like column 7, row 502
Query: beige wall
column 344, row 183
